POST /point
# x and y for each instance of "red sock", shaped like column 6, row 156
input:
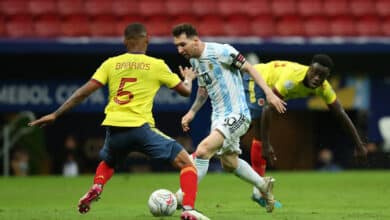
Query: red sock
column 258, row 162
column 103, row 173
column 189, row 185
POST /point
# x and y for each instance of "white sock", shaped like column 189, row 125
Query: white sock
column 202, row 166
column 246, row 172
column 256, row 193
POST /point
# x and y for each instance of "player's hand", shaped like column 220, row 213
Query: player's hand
column 186, row 120
column 276, row 102
column 269, row 153
column 187, row 73
column 43, row 121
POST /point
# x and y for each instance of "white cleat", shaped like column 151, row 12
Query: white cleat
column 267, row 194
column 192, row 215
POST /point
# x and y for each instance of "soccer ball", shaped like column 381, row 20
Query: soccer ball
column 162, row 202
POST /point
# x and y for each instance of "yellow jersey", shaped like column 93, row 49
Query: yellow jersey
column 133, row 81
column 287, row 79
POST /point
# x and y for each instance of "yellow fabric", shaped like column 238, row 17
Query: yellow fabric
column 287, row 78
column 133, row 81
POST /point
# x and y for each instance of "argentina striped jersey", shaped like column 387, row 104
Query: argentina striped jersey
column 222, row 80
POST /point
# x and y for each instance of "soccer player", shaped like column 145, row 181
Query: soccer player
column 133, row 79
column 218, row 68
column 290, row 80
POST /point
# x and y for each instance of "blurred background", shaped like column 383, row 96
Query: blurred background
column 48, row 48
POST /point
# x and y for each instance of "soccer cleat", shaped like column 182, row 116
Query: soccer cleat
column 91, row 196
column 192, row 214
column 261, row 201
column 267, row 194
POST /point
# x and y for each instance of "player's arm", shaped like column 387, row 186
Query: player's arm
column 347, row 124
column 184, row 88
column 273, row 99
column 76, row 98
column 201, row 98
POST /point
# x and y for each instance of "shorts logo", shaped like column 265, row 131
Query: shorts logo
column 260, row 102
column 233, row 123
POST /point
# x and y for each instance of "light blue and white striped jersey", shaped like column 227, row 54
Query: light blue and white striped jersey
column 222, row 80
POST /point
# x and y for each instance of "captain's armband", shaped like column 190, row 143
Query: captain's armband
column 238, row 60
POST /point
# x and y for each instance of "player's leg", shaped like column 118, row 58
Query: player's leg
column 232, row 163
column 257, row 160
column 160, row 146
column 110, row 154
column 204, row 151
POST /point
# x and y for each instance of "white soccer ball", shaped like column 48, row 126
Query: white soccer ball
column 162, row 202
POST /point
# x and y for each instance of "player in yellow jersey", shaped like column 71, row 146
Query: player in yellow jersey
column 290, row 80
column 133, row 79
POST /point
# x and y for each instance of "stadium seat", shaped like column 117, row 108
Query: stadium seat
column 316, row 26
column 237, row 26
column 229, row 7
column 263, row 26
column 2, row 26
column 362, row 7
column 70, row 7
column 152, row 7
column 336, row 7
column 123, row 21
column 343, row 26
column 383, row 7
column 309, row 7
column 75, row 26
column 19, row 26
column 203, row 7
column 211, row 25
column 103, row 26
column 283, row 7
column 178, row 7
column 386, row 26
column 47, row 26
column 290, row 26
column 184, row 19
column 12, row 7
column 368, row 26
column 98, row 7
column 256, row 7
column 125, row 7
column 42, row 7
column 158, row 25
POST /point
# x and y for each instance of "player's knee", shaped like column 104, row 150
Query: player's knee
column 202, row 153
column 227, row 167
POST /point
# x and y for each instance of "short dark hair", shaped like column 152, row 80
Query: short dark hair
column 185, row 28
column 324, row 60
column 135, row 30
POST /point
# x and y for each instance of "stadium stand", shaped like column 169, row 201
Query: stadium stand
column 263, row 26
column 214, row 18
column 75, row 26
column 47, row 26
column 70, row 7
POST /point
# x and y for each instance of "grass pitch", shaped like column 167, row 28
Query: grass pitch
column 357, row 195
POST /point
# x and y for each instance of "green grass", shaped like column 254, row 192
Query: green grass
column 305, row 195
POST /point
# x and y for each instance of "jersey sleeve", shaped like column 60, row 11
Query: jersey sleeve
column 227, row 54
column 101, row 74
column 327, row 93
column 166, row 77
